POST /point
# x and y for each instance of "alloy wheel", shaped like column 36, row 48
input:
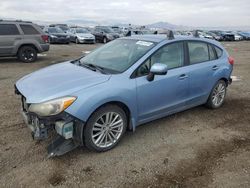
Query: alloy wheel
column 218, row 95
column 107, row 129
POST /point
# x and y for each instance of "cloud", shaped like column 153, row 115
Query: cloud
column 182, row 12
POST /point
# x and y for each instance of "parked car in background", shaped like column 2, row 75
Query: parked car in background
column 104, row 34
column 56, row 35
column 81, row 35
column 245, row 35
column 237, row 37
column 22, row 40
column 134, row 32
column 118, row 30
column 63, row 27
column 226, row 36
column 91, row 101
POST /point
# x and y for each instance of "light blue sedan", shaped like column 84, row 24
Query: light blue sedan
column 93, row 100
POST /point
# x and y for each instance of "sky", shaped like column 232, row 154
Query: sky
column 141, row 12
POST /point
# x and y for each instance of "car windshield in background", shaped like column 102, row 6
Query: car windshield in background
column 108, row 30
column 64, row 28
column 118, row 55
column 55, row 30
column 81, row 31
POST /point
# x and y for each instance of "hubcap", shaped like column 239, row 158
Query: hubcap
column 107, row 129
column 28, row 55
column 218, row 94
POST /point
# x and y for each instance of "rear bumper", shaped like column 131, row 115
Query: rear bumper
column 44, row 47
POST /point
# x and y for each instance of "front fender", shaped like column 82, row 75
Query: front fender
column 90, row 99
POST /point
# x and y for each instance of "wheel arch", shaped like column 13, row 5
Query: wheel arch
column 28, row 44
column 120, row 104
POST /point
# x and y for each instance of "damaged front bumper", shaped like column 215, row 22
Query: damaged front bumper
column 68, row 129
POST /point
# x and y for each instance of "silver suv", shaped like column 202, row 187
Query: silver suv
column 22, row 39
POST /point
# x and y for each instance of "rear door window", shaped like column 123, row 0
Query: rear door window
column 198, row 52
column 8, row 29
column 29, row 29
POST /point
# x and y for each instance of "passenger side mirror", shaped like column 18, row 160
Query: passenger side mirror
column 157, row 69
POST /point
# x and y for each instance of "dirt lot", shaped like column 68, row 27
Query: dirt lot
column 195, row 148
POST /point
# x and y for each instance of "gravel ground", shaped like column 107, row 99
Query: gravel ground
column 195, row 148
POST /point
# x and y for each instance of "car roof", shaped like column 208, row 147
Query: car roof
column 163, row 37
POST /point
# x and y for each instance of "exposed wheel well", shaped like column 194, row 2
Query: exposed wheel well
column 31, row 45
column 225, row 80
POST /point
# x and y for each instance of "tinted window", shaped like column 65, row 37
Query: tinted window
column 212, row 55
column 172, row 55
column 29, row 30
column 218, row 51
column 8, row 29
column 198, row 52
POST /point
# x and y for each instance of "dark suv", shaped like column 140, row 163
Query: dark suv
column 105, row 34
column 22, row 39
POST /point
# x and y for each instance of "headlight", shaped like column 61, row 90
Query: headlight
column 53, row 36
column 52, row 107
column 67, row 36
column 110, row 36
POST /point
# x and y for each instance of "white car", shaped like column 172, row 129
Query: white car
column 237, row 37
column 81, row 35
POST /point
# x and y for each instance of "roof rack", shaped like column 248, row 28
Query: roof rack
column 196, row 34
column 169, row 33
column 1, row 20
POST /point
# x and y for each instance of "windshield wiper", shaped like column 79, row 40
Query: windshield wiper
column 94, row 67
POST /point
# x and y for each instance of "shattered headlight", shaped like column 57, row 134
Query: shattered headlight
column 52, row 107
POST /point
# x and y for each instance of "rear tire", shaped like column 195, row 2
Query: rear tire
column 217, row 95
column 27, row 54
column 105, row 128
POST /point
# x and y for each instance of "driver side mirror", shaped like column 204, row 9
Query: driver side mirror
column 157, row 69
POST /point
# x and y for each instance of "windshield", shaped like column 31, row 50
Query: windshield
column 55, row 30
column 118, row 55
column 64, row 28
column 108, row 30
column 81, row 31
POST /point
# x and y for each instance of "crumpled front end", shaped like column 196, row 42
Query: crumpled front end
column 66, row 129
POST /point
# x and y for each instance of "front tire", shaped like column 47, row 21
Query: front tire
column 105, row 128
column 105, row 40
column 217, row 95
column 27, row 54
column 76, row 41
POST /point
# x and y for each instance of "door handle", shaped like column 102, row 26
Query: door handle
column 183, row 76
column 215, row 67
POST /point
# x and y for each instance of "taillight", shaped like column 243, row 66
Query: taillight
column 231, row 60
column 45, row 38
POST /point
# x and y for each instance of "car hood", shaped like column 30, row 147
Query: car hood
column 87, row 35
column 56, row 81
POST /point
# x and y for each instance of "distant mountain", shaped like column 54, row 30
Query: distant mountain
column 166, row 25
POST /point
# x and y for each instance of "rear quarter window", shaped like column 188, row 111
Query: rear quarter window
column 8, row 29
column 219, row 51
column 29, row 30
